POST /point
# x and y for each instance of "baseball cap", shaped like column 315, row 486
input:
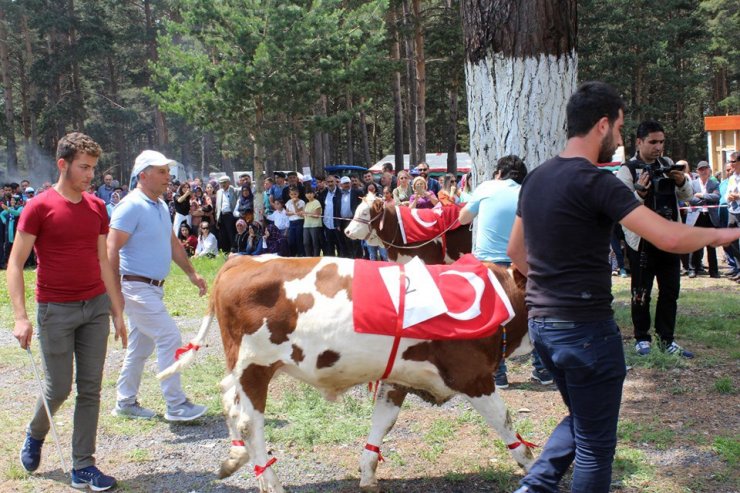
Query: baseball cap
column 702, row 164
column 144, row 160
column 345, row 179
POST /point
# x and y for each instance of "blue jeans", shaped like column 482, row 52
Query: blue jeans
column 295, row 238
column 536, row 362
column 587, row 363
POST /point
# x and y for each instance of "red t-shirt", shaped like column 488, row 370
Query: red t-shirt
column 66, row 245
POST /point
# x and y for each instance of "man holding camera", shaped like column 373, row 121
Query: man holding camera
column 658, row 184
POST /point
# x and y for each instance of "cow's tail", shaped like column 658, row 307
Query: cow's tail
column 186, row 354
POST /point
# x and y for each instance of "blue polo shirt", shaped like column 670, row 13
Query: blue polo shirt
column 148, row 251
column 495, row 203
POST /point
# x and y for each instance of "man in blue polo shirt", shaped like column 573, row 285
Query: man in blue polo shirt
column 494, row 203
column 141, row 246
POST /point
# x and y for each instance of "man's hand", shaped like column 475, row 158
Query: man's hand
column 23, row 331
column 643, row 184
column 198, row 281
column 120, row 330
column 699, row 195
column 678, row 176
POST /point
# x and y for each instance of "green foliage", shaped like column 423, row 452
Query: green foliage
column 652, row 433
column 724, row 385
column 729, row 449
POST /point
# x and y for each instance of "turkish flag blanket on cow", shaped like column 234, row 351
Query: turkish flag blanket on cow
column 459, row 301
column 419, row 225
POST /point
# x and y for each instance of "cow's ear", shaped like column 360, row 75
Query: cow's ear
column 520, row 279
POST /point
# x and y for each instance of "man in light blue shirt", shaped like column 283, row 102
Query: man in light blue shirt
column 141, row 246
column 494, row 203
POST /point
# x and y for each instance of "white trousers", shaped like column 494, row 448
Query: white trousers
column 150, row 327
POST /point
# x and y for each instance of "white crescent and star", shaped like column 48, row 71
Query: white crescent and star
column 478, row 286
column 426, row 224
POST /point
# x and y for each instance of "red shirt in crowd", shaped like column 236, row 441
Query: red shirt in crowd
column 66, row 245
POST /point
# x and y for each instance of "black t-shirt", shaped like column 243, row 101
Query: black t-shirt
column 568, row 208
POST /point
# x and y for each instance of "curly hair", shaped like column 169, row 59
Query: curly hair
column 76, row 142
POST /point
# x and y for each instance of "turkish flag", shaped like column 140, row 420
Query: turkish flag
column 419, row 225
column 459, row 301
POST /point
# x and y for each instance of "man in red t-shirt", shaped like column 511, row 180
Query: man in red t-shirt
column 75, row 291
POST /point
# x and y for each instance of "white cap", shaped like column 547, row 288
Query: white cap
column 345, row 179
column 224, row 179
column 146, row 159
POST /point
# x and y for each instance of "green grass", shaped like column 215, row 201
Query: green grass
column 303, row 419
column 652, row 433
column 724, row 385
column 436, row 438
column 728, row 449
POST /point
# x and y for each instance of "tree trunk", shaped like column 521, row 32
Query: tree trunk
column 160, row 123
column 412, row 96
column 396, row 89
column 32, row 138
column 365, row 139
column 11, row 152
column 325, row 138
column 350, row 147
column 421, row 84
column 78, row 112
column 452, row 129
column 521, row 68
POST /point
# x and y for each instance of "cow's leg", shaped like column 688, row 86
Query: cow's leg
column 493, row 409
column 248, row 421
column 386, row 409
column 238, row 453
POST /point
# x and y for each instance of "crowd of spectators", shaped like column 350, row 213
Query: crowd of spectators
column 212, row 217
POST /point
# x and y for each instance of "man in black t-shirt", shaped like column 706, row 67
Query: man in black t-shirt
column 560, row 240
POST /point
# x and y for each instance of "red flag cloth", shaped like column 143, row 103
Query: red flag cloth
column 419, row 225
column 473, row 303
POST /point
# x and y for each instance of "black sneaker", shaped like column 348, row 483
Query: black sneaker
column 91, row 477
column 502, row 382
column 543, row 376
column 31, row 453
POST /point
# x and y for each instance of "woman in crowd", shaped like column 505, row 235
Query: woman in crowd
column 245, row 204
column 187, row 239
column 115, row 198
column 255, row 239
column 449, row 194
column 207, row 243
column 199, row 204
column 388, row 196
column 402, row 193
column 239, row 245
column 182, row 206
column 466, row 188
column 422, row 198
column 312, row 224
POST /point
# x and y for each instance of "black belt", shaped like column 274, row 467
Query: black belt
column 153, row 282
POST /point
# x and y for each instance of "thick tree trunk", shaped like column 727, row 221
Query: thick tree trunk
column 421, row 84
column 396, row 89
column 11, row 150
column 521, row 68
column 160, row 123
column 78, row 112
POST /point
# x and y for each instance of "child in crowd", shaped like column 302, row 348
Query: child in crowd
column 294, row 209
column 9, row 217
column 277, row 229
column 312, row 224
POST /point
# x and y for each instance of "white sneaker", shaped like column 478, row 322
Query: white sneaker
column 187, row 411
column 132, row 411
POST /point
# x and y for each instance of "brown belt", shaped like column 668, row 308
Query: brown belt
column 153, row 282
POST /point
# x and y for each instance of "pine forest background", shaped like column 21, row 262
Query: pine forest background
column 279, row 84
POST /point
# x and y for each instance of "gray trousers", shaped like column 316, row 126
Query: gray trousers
column 73, row 335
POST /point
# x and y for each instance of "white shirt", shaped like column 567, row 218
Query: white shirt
column 329, row 209
column 209, row 245
column 280, row 218
column 291, row 207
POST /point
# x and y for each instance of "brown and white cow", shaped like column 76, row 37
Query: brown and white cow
column 295, row 315
column 377, row 222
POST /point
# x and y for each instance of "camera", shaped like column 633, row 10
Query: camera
column 661, row 196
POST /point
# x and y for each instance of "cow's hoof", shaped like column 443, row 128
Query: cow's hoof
column 370, row 488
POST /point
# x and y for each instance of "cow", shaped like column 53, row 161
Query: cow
column 377, row 222
column 295, row 315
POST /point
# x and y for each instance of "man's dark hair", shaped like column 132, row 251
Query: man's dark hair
column 292, row 173
column 512, row 168
column 591, row 102
column 74, row 143
column 647, row 127
column 320, row 177
column 279, row 174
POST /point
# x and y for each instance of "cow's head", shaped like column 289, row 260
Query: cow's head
column 360, row 227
